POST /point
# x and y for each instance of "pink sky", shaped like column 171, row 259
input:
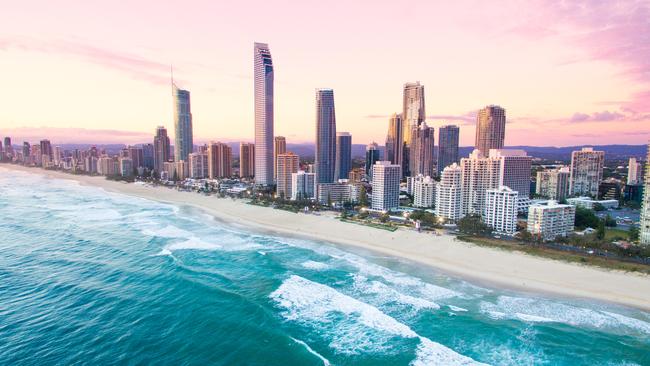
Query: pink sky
column 568, row 73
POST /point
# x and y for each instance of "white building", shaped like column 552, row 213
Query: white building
column 410, row 183
column 303, row 185
column 634, row 172
column 448, row 194
column 553, row 183
column 550, row 220
column 501, row 210
column 385, row 185
column 644, row 234
column 424, row 192
column 478, row 174
column 589, row 203
column 339, row 192
column 198, row 165
column 586, row 171
column 514, row 169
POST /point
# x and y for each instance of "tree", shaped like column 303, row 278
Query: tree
column 585, row 218
column 384, row 217
column 363, row 197
column 633, row 233
column 473, row 224
column 600, row 232
column 609, row 221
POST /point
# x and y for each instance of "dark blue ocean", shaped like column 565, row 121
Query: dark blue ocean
column 95, row 278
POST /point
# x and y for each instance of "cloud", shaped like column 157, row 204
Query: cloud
column 604, row 116
column 76, row 135
column 135, row 66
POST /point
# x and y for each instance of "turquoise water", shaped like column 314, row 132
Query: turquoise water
column 88, row 277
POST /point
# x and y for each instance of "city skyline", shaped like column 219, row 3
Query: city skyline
column 569, row 73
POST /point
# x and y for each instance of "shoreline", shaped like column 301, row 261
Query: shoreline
column 494, row 267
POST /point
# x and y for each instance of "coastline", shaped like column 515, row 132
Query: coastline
column 510, row 270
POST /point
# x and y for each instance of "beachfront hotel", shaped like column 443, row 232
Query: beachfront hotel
column 490, row 129
column 385, row 185
column 550, row 219
column 325, row 158
column 586, row 172
column 343, row 163
column 553, row 183
column 288, row 164
column 183, row 139
column 448, row 137
column 501, row 209
column 448, row 194
column 263, row 65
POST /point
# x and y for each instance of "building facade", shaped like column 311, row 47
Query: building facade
column 448, row 194
column 586, row 172
column 634, row 172
column 343, row 163
column 385, row 185
column 372, row 156
column 424, row 193
column 325, row 158
column 183, row 139
column 263, row 65
column 422, row 154
column 550, row 220
column 246, row 160
column 644, row 224
column 303, row 186
column 160, row 148
column 553, row 183
column 288, row 164
column 395, row 139
column 448, row 137
column 501, row 207
column 279, row 147
column 219, row 160
column 198, row 165
column 413, row 114
column 490, row 129
column 514, row 169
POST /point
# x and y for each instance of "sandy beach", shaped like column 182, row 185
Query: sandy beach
column 501, row 268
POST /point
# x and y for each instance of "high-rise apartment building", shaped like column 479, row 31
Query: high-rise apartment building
column 448, row 137
column 501, row 207
column 303, row 186
column 424, row 192
column 644, row 224
column 586, row 172
column 198, row 165
column 27, row 152
column 219, row 160
column 9, row 149
column 136, row 153
column 183, row 139
column 279, row 147
column 553, row 183
column 263, row 114
column 46, row 149
column 246, row 160
column 634, row 171
column 288, row 163
column 343, row 163
column 490, row 129
column 372, row 156
column 395, row 139
column 126, row 167
column 325, row 136
column 515, row 167
column 478, row 175
column 385, row 185
column 160, row 148
column 413, row 114
column 422, row 152
column 448, row 194
column 550, row 220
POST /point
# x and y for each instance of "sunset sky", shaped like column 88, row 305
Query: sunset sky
column 567, row 72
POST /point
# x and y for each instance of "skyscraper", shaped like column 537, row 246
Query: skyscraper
column 422, row 151
column 46, row 149
column 263, row 114
column 183, row 140
column 219, row 160
column 394, row 139
column 288, row 164
column 372, row 156
column 246, row 160
column 303, row 185
column 26, row 153
column 447, row 146
column 490, row 129
column 198, row 165
column 514, row 169
column 136, row 153
column 448, row 194
column 148, row 156
column 279, row 147
column 9, row 150
column 501, row 209
column 644, row 224
column 343, row 163
column 634, row 171
column 413, row 114
column 385, row 185
column 325, row 136
column 553, row 183
column 160, row 148
column 586, row 171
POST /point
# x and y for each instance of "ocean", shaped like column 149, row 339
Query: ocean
column 89, row 277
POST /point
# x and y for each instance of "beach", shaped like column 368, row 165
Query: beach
column 511, row 270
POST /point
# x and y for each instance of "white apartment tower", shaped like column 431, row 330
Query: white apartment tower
column 385, row 185
column 263, row 114
column 501, row 209
column 644, row 235
column 448, row 193
column 634, row 172
column 553, row 183
column 303, row 185
column 424, row 192
column 586, row 172
column 550, row 220
column 478, row 175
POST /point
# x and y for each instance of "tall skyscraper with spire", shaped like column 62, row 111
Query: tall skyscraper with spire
column 490, row 129
column 160, row 149
column 395, row 139
column 325, row 136
column 447, row 146
column 413, row 115
column 263, row 114
column 183, row 139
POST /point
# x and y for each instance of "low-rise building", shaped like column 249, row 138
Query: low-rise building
column 551, row 219
column 589, row 203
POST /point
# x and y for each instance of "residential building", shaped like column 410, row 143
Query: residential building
column 553, row 183
column 490, row 129
column 501, row 209
column 611, row 189
column 479, row 174
column 325, row 136
column 288, row 163
column 422, row 153
column 514, row 169
column 199, row 165
column 46, row 149
column 586, row 172
column 246, row 160
column 589, row 203
column 410, row 183
column 385, row 185
column 424, row 193
column 219, row 160
column 335, row 193
column 263, row 115
column 550, row 220
column 183, row 139
column 136, row 153
column 343, row 163
column 160, row 148
column 448, row 194
column 395, row 139
column 413, row 114
column 279, row 147
column 27, row 152
column 372, row 156
column 303, row 185
column 356, row 175
column 148, row 156
column 448, row 137
column 126, row 167
column 644, row 223
column 634, row 172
